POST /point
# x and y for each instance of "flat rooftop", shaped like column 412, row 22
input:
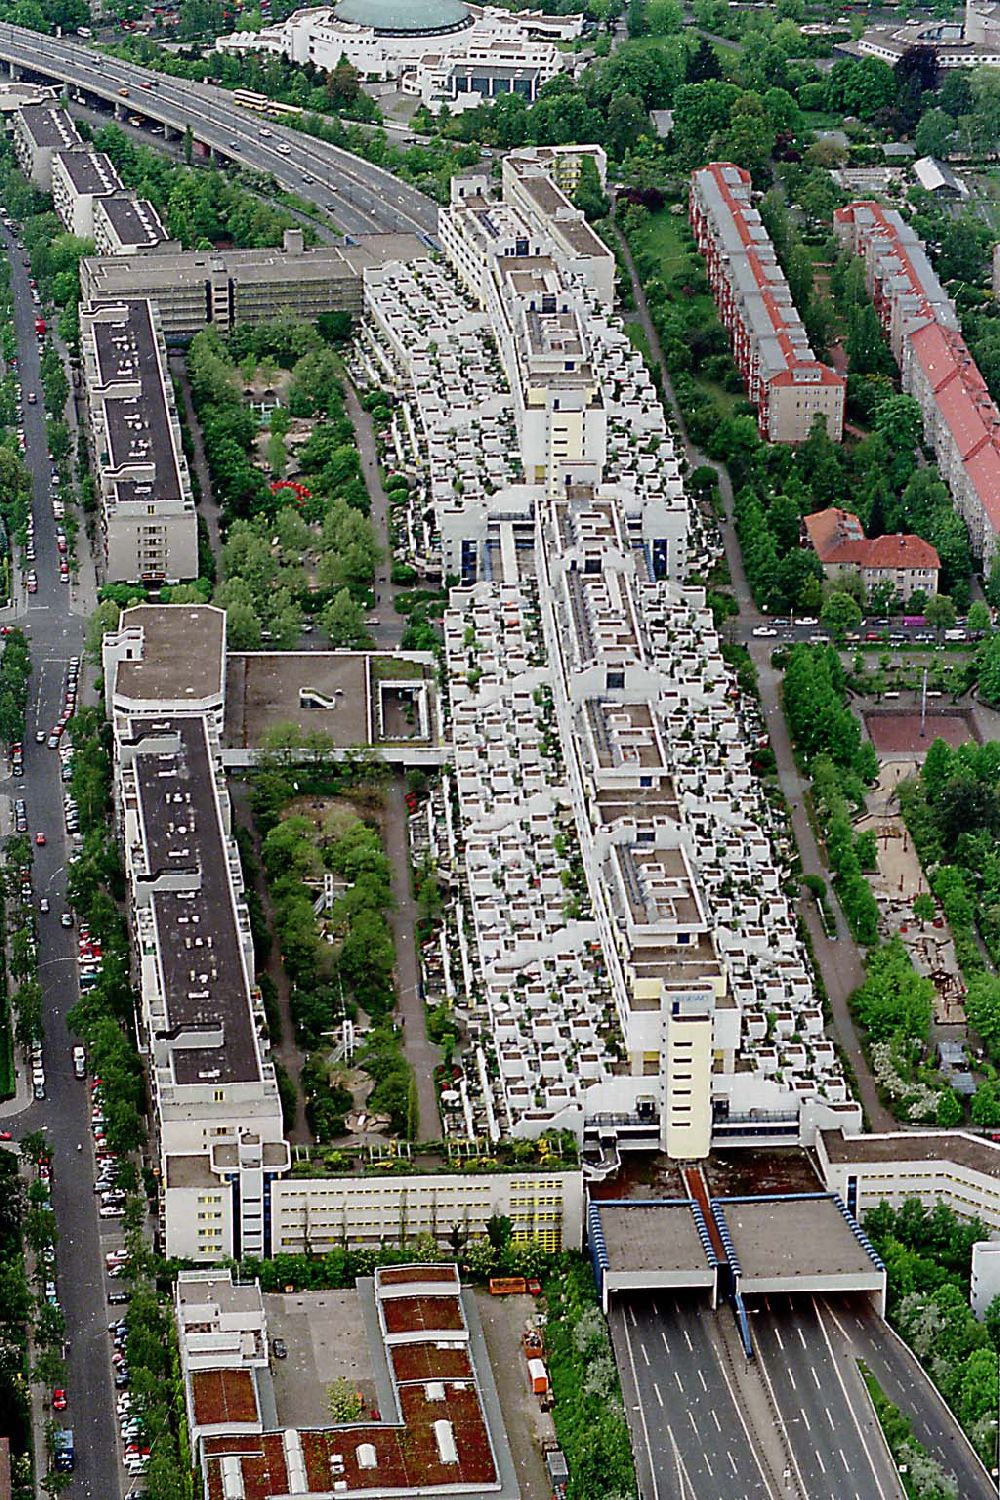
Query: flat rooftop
column 783, row 1241
column 48, row 125
column 956, row 1146
column 115, row 275
column 662, row 1236
column 89, row 171
column 183, row 653
column 204, row 980
column 139, row 432
column 134, row 220
column 332, row 691
column 398, row 1449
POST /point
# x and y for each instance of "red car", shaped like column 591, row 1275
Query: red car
column 5, row 1135
column 59, row 1401
column 40, row 840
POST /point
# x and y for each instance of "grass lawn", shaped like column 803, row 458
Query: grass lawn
column 637, row 334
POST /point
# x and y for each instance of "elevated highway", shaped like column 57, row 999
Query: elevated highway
column 361, row 198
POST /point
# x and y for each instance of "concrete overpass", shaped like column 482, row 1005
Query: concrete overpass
column 361, row 198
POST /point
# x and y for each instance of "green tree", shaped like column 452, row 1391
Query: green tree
column 979, row 620
column 344, row 1401
column 934, row 133
column 840, row 614
column 343, row 621
column 940, row 612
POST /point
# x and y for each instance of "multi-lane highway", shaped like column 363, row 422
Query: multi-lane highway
column 795, row 1421
column 360, row 197
column 692, row 1438
column 837, row 1446
column 56, row 634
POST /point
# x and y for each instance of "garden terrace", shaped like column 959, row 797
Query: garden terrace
column 422, row 1315
column 224, row 1397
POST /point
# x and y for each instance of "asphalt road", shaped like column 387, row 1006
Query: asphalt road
column 705, row 1427
column 853, row 1324
column 56, row 634
column 835, row 1438
column 361, row 198
column 690, row 1434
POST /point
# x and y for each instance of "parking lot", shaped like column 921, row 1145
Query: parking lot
column 326, row 1339
column 503, row 1320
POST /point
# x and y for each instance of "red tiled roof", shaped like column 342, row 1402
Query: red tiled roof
column 834, row 531
column 983, row 469
column 836, row 537
column 933, row 349
column 900, row 551
column 223, row 1396
column 766, row 283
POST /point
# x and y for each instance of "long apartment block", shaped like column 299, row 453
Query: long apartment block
column 224, row 1164
column 788, row 385
column 198, row 289
column 961, row 420
column 633, row 966
column 79, row 180
column 126, row 225
column 148, row 522
column 41, row 130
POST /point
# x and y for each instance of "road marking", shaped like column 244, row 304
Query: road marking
column 791, row 1381
column 846, row 1464
column 642, row 1409
column 704, row 1382
column 805, row 1419
column 781, row 1342
column 631, row 1313
column 715, row 1419
column 663, row 1336
column 644, row 1354
column 829, row 1418
column 850, row 1405
column 802, row 1338
column 819, row 1460
column 656, row 1388
column 690, row 1417
column 735, row 1466
column 815, row 1377
column 687, row 1340
column 678, row 1380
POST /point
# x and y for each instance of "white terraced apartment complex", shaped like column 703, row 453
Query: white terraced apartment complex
column 637, row 961
column 632, row 968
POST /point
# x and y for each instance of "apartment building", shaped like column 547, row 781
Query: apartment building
column 41, row 130
column 212, row 1083
column 79, row 180
column 225, row 1189
column 788, row 385
column 537, row 184
column 126, row 225
column 196, row 289
column 961, row 421
column 954, row 1167
column 148, row 523
column 434, row 1425
column 628, row 937
column 906, row 563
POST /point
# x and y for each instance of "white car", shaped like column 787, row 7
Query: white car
column 764, row 632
